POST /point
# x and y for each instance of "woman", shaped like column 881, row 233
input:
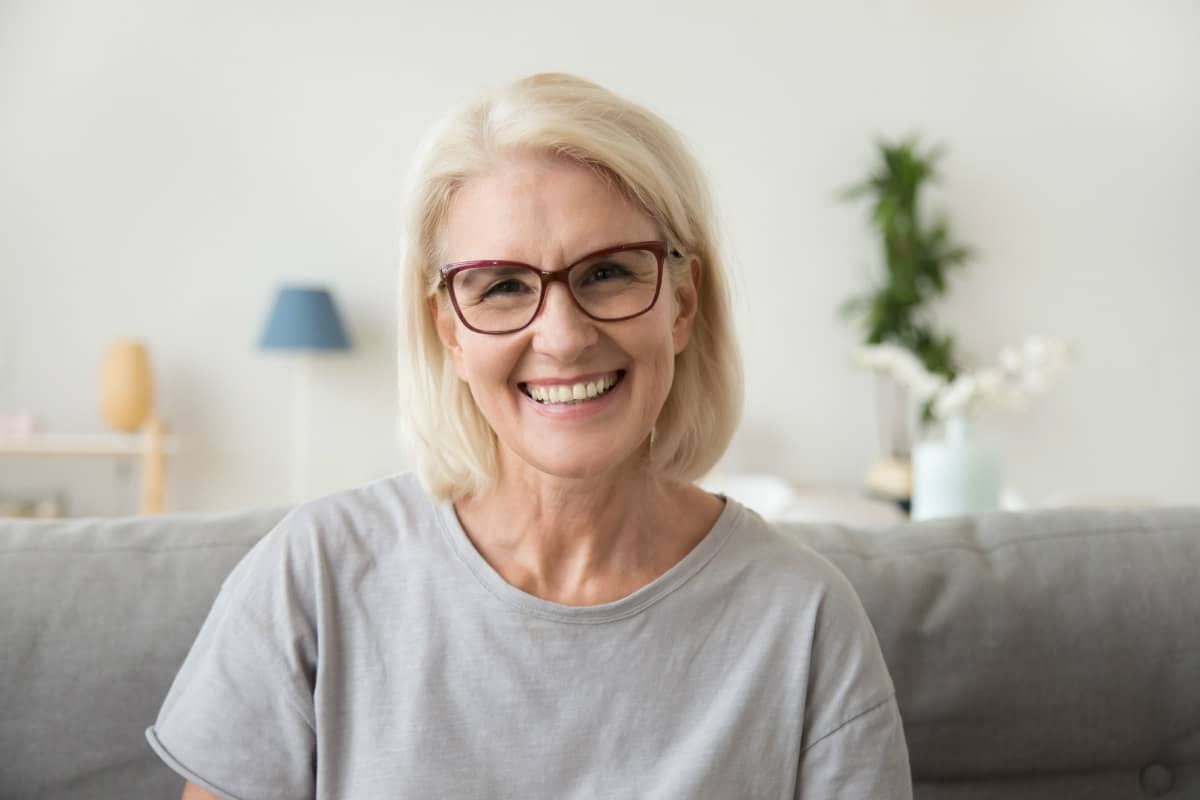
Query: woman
column 552, row 609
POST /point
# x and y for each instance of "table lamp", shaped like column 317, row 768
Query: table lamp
column 304, row 320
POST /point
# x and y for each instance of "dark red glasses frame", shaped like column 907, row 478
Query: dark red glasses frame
column 659, row 249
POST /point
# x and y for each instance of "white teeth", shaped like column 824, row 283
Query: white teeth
column 572, row 393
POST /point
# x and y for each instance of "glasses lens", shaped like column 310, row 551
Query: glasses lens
column 616, row 285
column 497, row 298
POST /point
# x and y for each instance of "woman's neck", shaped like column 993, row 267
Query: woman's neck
column 585, row 542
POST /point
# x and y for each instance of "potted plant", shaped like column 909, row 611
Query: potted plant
column 918, row 256
column 957, row 475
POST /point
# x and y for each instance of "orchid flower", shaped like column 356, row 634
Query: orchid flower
column 1023, row 371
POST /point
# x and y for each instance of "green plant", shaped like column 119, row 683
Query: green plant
column 918, row 258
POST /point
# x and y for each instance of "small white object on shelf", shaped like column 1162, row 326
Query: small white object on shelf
column 779, row 500
column 842, row 507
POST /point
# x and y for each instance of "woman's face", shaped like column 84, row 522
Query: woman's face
column 549, row 213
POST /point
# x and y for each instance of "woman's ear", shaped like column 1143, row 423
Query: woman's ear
column 687, row 300
column 447, row 329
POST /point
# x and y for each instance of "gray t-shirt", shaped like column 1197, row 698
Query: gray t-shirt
column 365, row 649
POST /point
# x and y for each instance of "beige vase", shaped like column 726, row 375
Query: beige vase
column 126, row 386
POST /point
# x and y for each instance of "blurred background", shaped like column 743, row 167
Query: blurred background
column 166, row 167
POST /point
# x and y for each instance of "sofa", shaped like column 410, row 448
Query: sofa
column 1036, row 654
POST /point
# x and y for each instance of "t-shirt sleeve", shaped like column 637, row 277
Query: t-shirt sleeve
column 864, row 758
column 853, row 744
column 239, row 718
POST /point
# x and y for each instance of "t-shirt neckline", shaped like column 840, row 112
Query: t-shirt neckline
column 627, row 606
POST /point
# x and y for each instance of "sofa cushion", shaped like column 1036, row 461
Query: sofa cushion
column 1038, row 654
column 96, row 615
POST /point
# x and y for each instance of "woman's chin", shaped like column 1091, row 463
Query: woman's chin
column 601, row 465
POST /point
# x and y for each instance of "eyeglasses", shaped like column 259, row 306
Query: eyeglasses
column 609, row 285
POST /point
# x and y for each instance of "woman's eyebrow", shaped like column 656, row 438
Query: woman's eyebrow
column 613, row 243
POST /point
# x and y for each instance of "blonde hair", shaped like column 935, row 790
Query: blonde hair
column 644, row 158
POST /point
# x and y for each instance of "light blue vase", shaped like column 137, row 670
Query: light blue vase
column 954, row 476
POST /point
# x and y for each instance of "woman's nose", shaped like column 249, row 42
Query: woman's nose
column 561, row 329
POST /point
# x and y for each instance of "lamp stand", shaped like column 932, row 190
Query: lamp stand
column 301, row 420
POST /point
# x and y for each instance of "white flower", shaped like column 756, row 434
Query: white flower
column 1022, row 371
column 956, row 398
column 927, row 386
column 1010, row 360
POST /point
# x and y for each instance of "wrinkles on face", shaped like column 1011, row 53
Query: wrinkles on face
column 549, row 213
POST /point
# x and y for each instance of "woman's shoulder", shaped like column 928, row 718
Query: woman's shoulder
column 782, row 572
column 359, row 525
column 392, row 504
column 780, row 558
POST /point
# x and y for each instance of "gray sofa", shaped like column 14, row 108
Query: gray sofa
column 1042, row 654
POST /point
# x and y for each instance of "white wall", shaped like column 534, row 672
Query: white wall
column 165, row 165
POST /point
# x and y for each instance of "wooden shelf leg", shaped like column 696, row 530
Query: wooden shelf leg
column 154, row 470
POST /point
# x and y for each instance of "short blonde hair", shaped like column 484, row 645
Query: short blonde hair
column 644, row 158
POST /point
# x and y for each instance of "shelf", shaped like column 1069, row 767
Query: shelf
column 151, row 445
column 111, row 445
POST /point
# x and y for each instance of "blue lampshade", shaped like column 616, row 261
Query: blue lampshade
column 304, row 319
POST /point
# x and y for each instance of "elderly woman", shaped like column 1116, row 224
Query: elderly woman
column 550, row 608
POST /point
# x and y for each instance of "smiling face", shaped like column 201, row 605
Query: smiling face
column 550, row 213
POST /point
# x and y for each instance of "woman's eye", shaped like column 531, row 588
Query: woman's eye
column 510, row 286
column 607, row 272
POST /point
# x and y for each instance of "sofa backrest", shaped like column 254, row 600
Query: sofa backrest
column 1048, row 654
column 1041, row 654
column 96, row 616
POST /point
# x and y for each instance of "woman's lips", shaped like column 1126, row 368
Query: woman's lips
column 555, row 402
column 574, row 391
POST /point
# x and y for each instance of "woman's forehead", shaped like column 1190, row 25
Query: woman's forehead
column 540, row 210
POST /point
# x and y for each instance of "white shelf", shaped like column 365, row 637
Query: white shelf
column 111, row 445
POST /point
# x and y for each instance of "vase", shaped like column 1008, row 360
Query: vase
column 954, row 476
column 126, row 387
